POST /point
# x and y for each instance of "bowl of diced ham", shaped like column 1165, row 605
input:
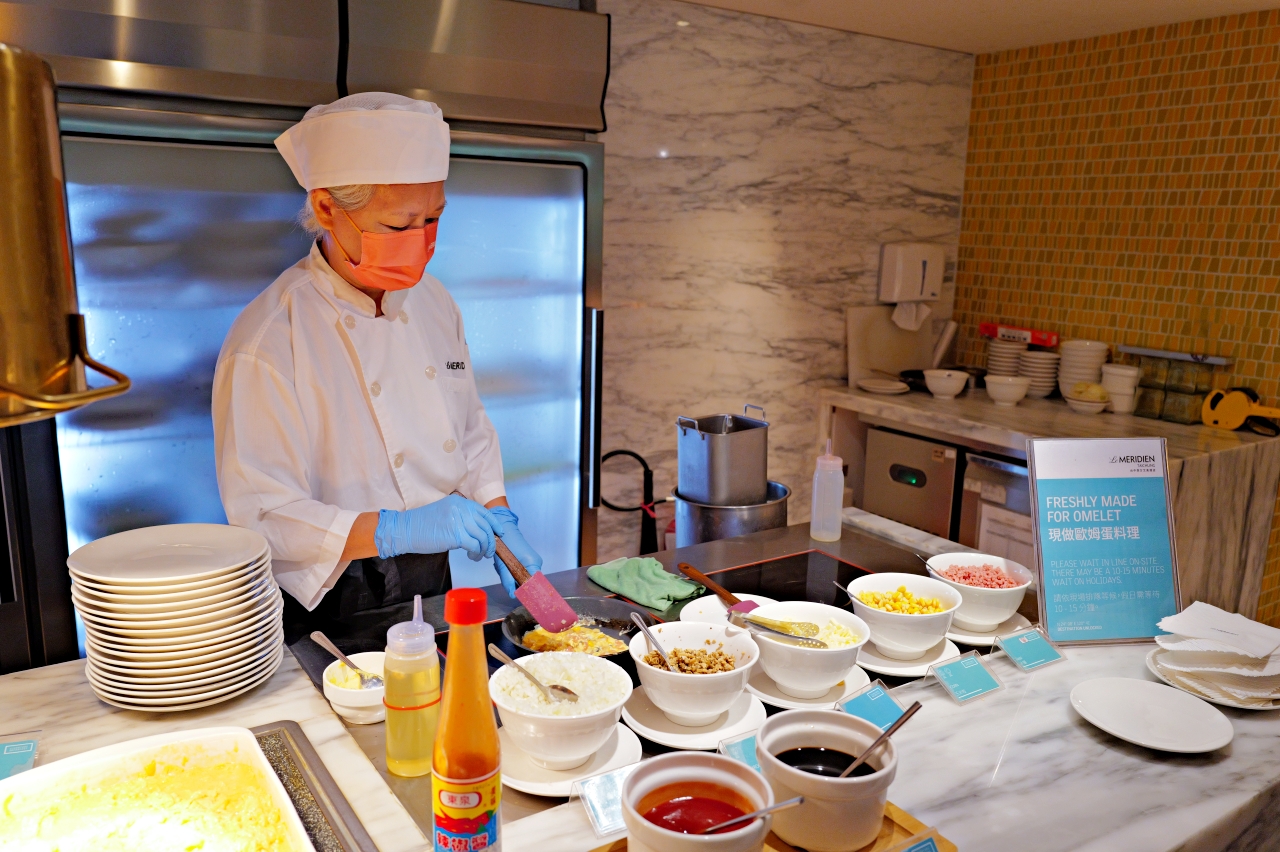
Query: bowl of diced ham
column 991, row 588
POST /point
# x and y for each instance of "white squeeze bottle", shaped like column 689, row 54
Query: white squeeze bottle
column 411, row 672
column 828, row 495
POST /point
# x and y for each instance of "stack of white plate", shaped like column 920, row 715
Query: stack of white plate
column 1082, row 361
column 179, row 616
column 1041, row 368
column 1003, row 356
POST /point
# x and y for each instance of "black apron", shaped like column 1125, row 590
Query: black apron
column 370, row 596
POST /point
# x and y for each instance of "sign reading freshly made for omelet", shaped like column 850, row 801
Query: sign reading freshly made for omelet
column 1104, row 538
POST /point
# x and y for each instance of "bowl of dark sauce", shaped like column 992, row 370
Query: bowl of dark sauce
column 827, row 762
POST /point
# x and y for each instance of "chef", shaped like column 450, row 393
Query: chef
column 347, row 426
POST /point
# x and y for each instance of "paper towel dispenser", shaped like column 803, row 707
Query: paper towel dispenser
column 911, row 272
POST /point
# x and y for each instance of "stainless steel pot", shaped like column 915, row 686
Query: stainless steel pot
column 723, row 459
column 43, row 351
column 698, row 522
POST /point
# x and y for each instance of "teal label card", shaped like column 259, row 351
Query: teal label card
column 601, row 796
column 1103, row 537
column 874, row 703
column 741, row 749
column 925, row 842
column 1029, row 649
column 966, row 678
column 16, row 756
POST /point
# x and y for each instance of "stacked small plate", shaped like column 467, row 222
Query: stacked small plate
column 1003, row 356
column 1082, row 361
column 177, row 617
column 1041, row 368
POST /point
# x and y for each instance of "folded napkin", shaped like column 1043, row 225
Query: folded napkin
column 1214, row 690
column 1208, row 622
column 644, row 581
column 1213, row 663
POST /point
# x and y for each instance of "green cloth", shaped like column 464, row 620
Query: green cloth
column 644, row 581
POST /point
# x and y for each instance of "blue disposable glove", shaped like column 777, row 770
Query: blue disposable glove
column 511, row 537
column 454, row 523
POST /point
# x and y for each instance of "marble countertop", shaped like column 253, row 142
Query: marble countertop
column 973, row 418
column 57, row 703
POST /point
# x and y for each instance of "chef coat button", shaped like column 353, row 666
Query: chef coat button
column 349, row 321
column 375, row 388
column 450, row 445
column 431, row 372
column 404, row 318
column 399, row 459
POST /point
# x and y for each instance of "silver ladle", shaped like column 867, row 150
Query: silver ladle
column 555, row 692
column 653, row 642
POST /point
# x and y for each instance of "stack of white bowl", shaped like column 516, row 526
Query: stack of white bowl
column 1121, row 382
column 1082, row 361
column 179, row 616
column 1041, row 368
column 1003, row 356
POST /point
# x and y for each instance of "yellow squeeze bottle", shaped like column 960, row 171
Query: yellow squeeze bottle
column 411, row 673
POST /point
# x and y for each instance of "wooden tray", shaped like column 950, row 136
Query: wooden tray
column 898, row 826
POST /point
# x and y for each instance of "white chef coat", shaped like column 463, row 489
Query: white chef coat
column 322, row 410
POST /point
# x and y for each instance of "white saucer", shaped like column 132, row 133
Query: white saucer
column 873, row 661
column 763, row 686
column 744, row 716
column 521, row 773
column 1152, row 715
column 885, row 386
column 986, row 640
column 712, row 610
column 1221, row 702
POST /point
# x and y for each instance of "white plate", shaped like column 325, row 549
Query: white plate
column 744, row 716
column 149, row 613
column 169, row 591
column 161, row 699
column 167, row 554
column 188, row 628
column 873, row 661
column 762, row 686
column 975, row 639
column 1152, row 715
column 161, row 657
column 521, row 773
column 711, row 609
column 163, row 640
column 171, row 673
column 1221, row 702
column 94, row 596
column 885, row 386
column 179, row 706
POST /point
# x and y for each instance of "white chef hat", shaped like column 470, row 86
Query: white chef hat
column 372, row 137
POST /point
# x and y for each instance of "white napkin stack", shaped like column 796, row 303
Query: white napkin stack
column 1220, row 655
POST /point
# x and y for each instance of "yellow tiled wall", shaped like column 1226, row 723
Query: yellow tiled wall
column 1124, row 188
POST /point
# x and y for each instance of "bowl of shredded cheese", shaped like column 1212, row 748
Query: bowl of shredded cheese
column 908, row 614
column 811, row 672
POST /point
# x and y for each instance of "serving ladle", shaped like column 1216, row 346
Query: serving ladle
column 653, row 641
column 553, row 692
column 368, row 680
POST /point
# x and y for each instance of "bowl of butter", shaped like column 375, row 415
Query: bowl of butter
column 342, row 688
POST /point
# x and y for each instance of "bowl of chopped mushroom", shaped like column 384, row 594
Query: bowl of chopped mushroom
column 713, row 663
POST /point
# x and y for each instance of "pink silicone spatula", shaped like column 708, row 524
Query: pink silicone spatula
column 731, row 601
column 547, row 606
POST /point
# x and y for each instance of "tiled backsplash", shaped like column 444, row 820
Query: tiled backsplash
column 1124, row 188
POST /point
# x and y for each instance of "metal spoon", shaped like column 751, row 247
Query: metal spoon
column 880, row 739
column 653, row 642
column 368, row 680
column 555, row 692
column 754, row 815
column 738, row 620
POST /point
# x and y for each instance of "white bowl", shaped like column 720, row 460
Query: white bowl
column 1090, row 346
column 897, row 635
column 838, row 814
column 1122, row 403
column 1122, row 371
column 695, row 699
column 1006, row 391
column 359, row 706
column 561, row 742
column 809, row 672
column 945, row 384
column 1085, row 406
column 680, row 768
column 982, row 610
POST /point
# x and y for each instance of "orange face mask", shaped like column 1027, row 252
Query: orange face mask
column 392, row 261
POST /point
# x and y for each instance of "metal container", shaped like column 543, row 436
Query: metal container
column 41, row 330
column 723, row 458
column 698, row 522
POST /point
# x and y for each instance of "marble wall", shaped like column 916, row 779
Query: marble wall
column 753, row 168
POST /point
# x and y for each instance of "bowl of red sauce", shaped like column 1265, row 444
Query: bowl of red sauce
column 991, row 588
column 670, row 799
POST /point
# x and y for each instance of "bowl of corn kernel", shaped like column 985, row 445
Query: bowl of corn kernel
column 908, row 614
column 811, row 672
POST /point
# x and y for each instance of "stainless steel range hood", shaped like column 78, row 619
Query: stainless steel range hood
column 491, row 61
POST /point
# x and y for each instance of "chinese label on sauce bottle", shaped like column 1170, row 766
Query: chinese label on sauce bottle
column 466, row 786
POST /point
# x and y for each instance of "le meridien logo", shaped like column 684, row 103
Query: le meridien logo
column 1133, row 459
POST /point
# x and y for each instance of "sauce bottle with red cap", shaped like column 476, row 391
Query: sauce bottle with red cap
column 466, row 786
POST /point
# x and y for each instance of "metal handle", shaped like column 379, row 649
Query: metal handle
column 68, row 401
column 593, row 404
column 756, row 407
column 680, row 422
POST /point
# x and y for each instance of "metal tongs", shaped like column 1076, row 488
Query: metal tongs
column 738, row 619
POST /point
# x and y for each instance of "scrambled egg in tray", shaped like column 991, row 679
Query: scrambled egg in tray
column 579, row 637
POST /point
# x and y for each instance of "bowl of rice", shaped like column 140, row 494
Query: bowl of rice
column 908, row 614
column 714, row 663
column 811, row 672
column 561, row 734
column 991, row 588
